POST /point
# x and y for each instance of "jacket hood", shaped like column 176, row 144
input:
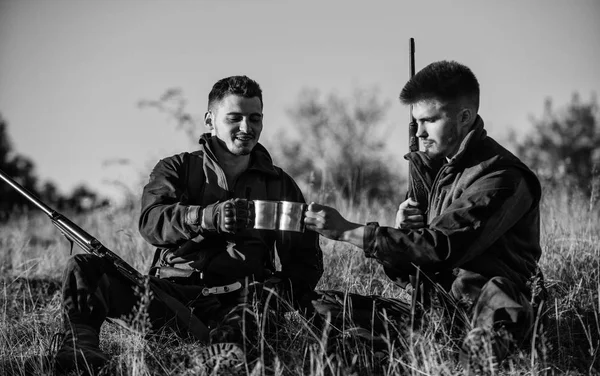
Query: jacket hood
column 260, row 159
column 477, row 148
column 477, row 133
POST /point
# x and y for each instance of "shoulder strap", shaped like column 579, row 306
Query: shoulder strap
column 273, row 186
column 186, row 170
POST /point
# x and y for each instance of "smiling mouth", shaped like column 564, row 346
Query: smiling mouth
column 244, row 137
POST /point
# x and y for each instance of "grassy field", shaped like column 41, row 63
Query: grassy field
column 33, row 254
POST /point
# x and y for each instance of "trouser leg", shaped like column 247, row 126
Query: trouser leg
column 93, row 290
column 502, row 318
column 258, row 306
column 501, row 305
column 376, row 314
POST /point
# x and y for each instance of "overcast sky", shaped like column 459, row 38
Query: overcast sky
column 71, row 72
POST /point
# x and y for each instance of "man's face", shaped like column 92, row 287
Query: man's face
column 438, row 129
column 237, row 123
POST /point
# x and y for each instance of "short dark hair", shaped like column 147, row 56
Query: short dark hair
column 446, row 81
column 237, row 85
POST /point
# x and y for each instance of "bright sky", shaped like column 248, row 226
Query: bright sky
column 72, row 72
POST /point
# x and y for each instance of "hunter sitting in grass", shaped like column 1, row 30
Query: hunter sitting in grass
column 197, row 209
column 469, row 229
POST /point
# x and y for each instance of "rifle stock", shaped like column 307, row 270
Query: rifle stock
column 91, row 245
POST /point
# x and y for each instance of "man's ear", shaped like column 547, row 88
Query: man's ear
column 208, row 120
column 466, row 116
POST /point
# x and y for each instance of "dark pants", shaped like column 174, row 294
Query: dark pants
column 499, row 304
column 94, row 290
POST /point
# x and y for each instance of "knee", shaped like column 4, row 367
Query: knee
column 502, row 303
column 82, row 262
column 82, row 259
column 501, row 285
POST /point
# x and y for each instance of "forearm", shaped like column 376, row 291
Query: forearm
column 354, row 235
column 394, row 248
column 467, row 228
column 170, row 225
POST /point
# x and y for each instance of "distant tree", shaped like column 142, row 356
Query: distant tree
column 338, row 143
column 83, row 199
column 173, row 103
column 19, row 168
column 564, row 146
column 22, row 170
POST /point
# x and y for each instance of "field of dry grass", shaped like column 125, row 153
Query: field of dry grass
column 33, row 254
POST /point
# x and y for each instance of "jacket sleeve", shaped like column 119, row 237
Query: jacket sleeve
column 471, row 224
column 300, row 254
column 164, row 220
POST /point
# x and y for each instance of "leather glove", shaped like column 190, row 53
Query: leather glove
column 228, row 216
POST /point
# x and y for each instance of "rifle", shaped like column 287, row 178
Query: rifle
column 416, row 188
column 91, row 245
column 413, row 142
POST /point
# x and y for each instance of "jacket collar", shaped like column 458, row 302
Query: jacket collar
column 260, row 159
column 476, row 134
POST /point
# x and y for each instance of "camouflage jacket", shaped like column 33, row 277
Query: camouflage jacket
column 482, row 210
column 182, row 181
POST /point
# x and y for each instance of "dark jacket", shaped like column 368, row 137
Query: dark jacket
column 482, row 220
column 182, row 181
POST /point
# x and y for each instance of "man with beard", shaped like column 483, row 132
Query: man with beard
column 210, row 262
column 468, row 240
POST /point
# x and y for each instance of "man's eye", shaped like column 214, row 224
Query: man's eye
column 255, row 119
column 234, row 119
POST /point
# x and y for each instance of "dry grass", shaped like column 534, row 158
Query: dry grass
column 33, row 256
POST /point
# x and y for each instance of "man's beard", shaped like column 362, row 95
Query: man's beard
column 240, row 150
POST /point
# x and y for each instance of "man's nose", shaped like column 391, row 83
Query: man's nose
column 421, row 131
column 244, row 125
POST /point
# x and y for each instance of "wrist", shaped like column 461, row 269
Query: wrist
column 353, row 234
column 206, row 218
column 193, row 215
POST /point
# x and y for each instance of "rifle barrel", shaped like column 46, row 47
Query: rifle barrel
column 28, row 195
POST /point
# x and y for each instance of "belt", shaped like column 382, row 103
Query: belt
column 164, row 272
column 221, row 289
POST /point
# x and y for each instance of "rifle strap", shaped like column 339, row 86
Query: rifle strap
column 70, row 250
column 65, row 235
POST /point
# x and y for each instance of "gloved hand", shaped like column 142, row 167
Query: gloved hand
column 228, row 216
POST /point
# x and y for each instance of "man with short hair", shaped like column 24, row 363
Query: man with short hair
column 197, row 208
column 473, row 230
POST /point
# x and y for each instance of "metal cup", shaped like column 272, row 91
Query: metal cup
column 291, row 216
column 265, row 214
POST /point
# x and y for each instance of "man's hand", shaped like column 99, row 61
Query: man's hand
column 409, row 216
column 228, row 216
column 327, row 221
